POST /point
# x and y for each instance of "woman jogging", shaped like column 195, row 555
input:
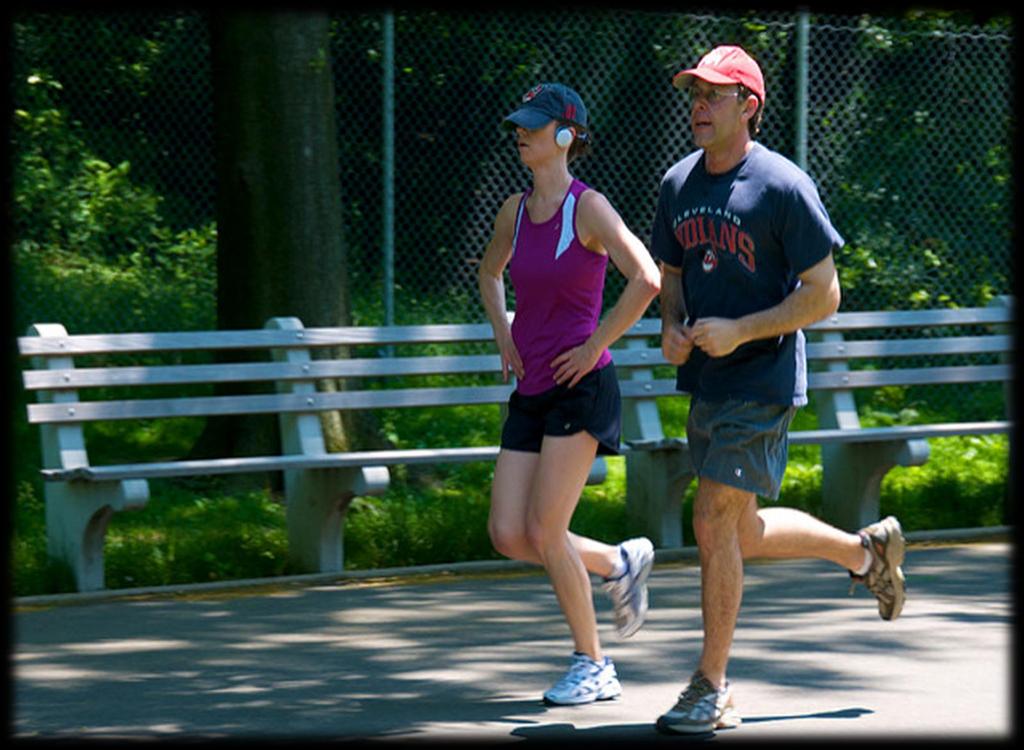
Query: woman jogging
column 556, row 239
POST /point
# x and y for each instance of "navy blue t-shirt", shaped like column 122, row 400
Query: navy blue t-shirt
column 741, row 239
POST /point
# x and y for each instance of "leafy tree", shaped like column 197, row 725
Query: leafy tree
column 90, row 243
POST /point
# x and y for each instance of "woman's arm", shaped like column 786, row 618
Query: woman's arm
column 601, row 229
column 492, row 285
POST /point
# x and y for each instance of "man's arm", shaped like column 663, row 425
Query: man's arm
column 676, row 342
column 816, row 297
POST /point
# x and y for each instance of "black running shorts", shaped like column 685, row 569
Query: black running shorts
column 593, row 404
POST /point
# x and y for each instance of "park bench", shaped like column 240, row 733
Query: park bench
column 319, row 485
column 846, row 352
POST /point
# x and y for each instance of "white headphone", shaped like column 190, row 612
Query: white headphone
column 563, row 137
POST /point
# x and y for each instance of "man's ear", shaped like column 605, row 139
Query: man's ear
column 751, row 105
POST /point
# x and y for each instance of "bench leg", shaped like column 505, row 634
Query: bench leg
column 598, row 471
column 656, row 481
column 316, row 503
column 77, row 516
column 852, row 478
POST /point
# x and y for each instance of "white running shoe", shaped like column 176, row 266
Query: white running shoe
column 585, row 682
column 629, row 591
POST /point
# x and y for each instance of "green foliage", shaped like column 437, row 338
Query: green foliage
column 911, row 185
column 183, row 536
column 422, row 520
column 85, row 232
column 601, row 513
column 32, row 570
column 65, row 197
column 136, row 87
column 966, row 486
column 173, row 289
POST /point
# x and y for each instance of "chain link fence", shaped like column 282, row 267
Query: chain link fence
column 906, row 124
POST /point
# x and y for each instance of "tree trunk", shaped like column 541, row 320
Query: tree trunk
column 280, row 249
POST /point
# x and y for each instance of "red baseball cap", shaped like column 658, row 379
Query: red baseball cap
column 724, row 65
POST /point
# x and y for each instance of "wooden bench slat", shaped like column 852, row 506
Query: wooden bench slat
column 966, row 345
column 87, row 411
column 851, row 379
column 644, row 327
column 907, row 376
column 861, row 434
column 648, row 388
column 352, row 459
column 850, row 321
column 844, row 350
column 92, row 377
column 130, row 343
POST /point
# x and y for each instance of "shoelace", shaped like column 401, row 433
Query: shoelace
column 695, row 692
column 578, row 671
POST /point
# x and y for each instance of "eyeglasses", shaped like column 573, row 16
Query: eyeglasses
column 711, row 96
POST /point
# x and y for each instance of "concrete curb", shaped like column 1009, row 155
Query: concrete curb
column 425, row 572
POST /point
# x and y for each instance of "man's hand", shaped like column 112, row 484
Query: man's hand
column 717, row 337
column 676, row 343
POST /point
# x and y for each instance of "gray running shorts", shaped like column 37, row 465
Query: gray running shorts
column 743, row 444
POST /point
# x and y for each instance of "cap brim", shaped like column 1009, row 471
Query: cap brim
column 684, row 78
column 528, row 118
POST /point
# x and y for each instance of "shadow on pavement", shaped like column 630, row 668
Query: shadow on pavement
column 431, row 659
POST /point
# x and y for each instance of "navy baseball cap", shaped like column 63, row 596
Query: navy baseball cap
column 546, row 102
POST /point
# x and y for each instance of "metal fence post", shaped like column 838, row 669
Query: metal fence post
column 801, row 89
column 388, row 233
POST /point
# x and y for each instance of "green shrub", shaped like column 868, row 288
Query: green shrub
column 963, row 485
column 185, row 536
column 90, row 245
column 32, row 570
column 415, row 523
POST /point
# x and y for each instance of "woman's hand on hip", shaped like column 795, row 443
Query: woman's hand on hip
column 571, row 365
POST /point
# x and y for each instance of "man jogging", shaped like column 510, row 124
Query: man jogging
column 746, row 249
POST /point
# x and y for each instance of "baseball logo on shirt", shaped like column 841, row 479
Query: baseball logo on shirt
column 698, row 230
column 710, row 261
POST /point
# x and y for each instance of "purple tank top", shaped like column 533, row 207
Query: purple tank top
column 559, row 286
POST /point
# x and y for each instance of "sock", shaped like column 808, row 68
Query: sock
column 867, row 563
column 620, row 565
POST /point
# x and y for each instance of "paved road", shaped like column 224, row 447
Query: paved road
column 468, row 658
